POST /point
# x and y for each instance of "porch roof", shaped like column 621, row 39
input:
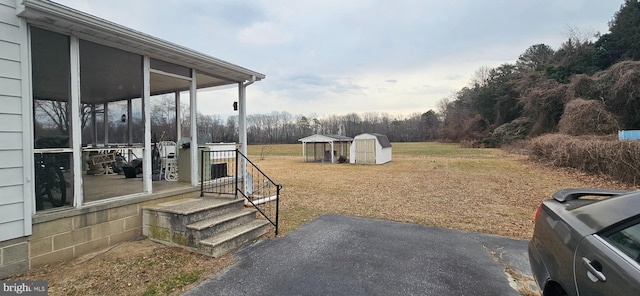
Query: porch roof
column 218, row 72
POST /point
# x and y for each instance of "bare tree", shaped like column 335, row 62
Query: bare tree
column 481, row 77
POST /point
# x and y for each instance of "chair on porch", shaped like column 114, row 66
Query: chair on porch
column 169, row 160
column 105, row 159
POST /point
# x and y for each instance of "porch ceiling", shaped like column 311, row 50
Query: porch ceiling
column 211, row 71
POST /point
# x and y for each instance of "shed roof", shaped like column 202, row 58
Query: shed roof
column 382, row 139
column 86, row 25
column 319, row 138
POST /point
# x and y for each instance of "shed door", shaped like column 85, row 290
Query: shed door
column 366, row 151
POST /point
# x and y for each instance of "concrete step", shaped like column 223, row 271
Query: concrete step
column 212, row 226
column 218, row 224
column 179, row 213
column 232, row 239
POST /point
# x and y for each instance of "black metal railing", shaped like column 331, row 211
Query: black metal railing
column 223, row 172
column 218, row 172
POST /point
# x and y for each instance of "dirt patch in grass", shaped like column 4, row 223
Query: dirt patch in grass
column 132, row 268
column 480, row 190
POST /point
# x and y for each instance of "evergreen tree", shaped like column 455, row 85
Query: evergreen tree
column 623, row 40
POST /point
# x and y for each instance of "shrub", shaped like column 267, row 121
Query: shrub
column 617, row 87
column 510, row 132
column 619, row 160
column 586, row 117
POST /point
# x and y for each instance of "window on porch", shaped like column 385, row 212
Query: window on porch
column 111, row 121
column 51, row 73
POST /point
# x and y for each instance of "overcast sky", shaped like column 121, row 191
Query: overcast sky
column 336, row 57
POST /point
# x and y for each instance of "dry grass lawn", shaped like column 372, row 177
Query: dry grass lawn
column 481, row 190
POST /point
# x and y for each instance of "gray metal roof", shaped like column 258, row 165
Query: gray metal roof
column 319, row 138
column 383, row 140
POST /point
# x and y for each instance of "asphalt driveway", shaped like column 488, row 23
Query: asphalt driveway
column 338, row 255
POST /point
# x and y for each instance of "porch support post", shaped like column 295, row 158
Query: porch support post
column 178, row 126
column 193, row 155
column 242, row 128
column 242, row 132
column 76, row 132
column 129, row 124
column 94, row 126
column 106, row 124
column 242, row 118
column 146, row 116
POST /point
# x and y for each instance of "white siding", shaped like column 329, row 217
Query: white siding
column 9, row 177
column 11, row 230
column 10, row 68
column 10, row 51
column 10, row 122
column 385, row 155
column 11, row 212
column 11, row 159
column 9, row 33
column 8, row 11
column 12, row 196
column 9, row 86
column 11, row 105
column 10, row 140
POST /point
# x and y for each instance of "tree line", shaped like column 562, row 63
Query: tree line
column 283, row 127
column 547, row 87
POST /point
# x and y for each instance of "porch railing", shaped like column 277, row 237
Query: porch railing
column 222, row 172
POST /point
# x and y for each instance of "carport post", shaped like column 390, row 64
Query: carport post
column 332, row 161
column 304, row 151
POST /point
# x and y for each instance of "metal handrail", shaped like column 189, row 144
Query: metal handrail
column 224, row 187
column 278, row 188
column 273, row 222
column 255, row 166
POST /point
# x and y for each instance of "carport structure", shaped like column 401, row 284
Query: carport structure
column 321, row 148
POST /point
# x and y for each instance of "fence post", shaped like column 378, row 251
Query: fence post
column 235, row 192
column 277, row 206
column 202, row 173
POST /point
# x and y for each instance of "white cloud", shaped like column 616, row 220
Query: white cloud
column 337, row 57
column 263, row 34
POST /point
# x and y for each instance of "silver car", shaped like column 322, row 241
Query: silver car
column 587, row 242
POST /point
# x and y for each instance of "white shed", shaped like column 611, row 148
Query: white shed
column 370, row 149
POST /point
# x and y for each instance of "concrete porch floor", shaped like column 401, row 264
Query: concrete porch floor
column 98, row 187
column 102, row 187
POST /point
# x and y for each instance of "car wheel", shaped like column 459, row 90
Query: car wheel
column 554, row 289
